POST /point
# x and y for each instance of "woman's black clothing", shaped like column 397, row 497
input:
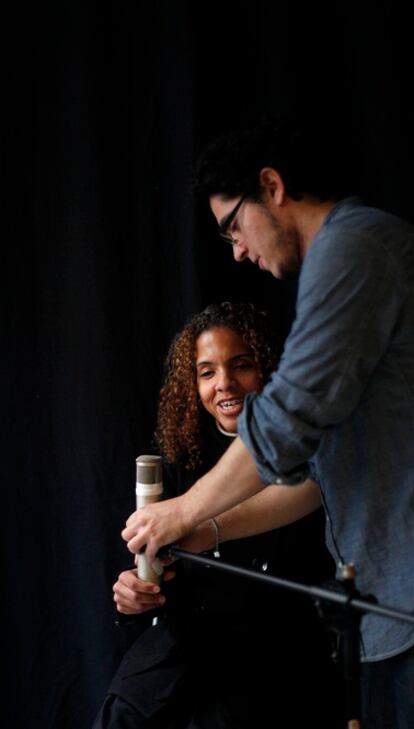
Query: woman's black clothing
column 229, row 652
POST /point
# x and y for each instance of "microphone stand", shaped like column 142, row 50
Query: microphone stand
column 345, row 619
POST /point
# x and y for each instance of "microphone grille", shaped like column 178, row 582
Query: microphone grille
column 149, row 469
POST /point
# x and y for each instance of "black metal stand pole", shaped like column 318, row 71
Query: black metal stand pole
column 314, row 592
column 345, row 621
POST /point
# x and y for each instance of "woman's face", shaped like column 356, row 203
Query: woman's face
column 226, row 372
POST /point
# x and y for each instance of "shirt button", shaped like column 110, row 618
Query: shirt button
column 279, row 480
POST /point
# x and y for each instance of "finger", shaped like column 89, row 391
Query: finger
column 152, row 548
column 135, row 543
column 135, row 609
column 134, row 600
column 133, row 582
column 128, row 576
column 136, row 605
column 128, row 532
column 131, row 594
column 133, row 528
column 131, row 518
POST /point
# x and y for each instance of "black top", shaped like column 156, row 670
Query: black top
column 295, row 552
column 206, row 663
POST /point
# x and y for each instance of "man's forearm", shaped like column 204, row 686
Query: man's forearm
column 233, row 479
column 272, row 508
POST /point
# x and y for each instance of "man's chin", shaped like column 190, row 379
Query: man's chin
column 284, row 275
column 287, row 273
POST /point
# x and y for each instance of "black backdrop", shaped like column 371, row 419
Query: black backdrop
column 105, row 255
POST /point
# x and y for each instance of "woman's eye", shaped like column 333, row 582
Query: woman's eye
column 206, row 373
column 244, row 366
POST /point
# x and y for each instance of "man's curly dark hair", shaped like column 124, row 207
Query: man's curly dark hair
column 309, row 158
column 180, row 413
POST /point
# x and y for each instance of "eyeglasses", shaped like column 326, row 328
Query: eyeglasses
column 228, row 219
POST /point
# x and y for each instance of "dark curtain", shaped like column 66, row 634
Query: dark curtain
column 106, row 254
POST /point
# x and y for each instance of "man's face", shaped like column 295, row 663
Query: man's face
column 259, row 232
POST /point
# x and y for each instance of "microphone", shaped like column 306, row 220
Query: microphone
column 148, row 490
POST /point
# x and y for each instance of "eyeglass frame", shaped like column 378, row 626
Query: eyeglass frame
column 228, row 219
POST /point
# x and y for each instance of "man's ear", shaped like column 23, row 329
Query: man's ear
column 272, row 182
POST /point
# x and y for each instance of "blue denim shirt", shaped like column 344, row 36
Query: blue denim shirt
column 341, row 404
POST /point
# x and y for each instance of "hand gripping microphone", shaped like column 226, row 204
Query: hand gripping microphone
column 148, row 490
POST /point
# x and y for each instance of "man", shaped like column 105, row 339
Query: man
column 341, row 403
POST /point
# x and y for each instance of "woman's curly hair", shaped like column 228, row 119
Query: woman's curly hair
column 180, row 412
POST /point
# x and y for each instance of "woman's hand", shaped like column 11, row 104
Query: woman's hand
column 134, row 596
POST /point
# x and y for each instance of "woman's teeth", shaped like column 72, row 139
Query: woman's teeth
column 227, row 404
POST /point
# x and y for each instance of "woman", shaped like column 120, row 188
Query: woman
column 203, row 664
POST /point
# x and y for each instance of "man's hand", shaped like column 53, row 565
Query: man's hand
column 156, row 525
column 233, row 479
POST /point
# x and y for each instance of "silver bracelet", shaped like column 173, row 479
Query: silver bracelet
column 216, row 552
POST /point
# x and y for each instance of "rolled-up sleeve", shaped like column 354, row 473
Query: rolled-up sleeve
column 350, row 296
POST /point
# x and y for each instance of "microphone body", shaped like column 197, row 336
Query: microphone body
column 148, row 490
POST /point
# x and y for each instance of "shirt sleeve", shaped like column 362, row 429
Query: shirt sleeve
column 349, row 300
